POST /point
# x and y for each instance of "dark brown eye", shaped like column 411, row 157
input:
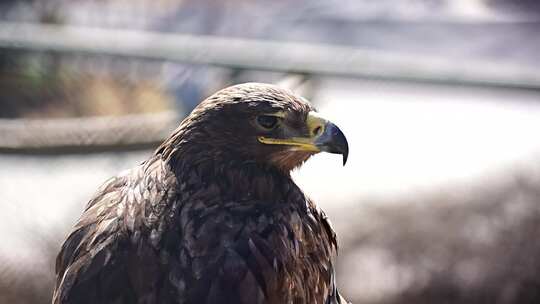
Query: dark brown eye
column 267, row 121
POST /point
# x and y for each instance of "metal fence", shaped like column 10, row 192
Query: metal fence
column 94, row 134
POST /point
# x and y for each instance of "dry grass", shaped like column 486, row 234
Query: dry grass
column 49, row 86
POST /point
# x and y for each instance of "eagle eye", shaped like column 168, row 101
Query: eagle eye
column 267, row 121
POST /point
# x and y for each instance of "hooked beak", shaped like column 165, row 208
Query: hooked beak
column 332, row 140
column 324, row 136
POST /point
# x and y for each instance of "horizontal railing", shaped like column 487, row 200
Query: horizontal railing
column 87, row 134
column 83, row 135
column 290, row 57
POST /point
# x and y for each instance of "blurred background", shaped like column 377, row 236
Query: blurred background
column 440, row 101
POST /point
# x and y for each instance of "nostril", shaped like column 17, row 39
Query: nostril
column 317, row 131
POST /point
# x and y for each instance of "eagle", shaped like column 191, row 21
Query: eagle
column 213, row 216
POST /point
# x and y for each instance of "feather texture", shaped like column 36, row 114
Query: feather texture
column 194, row 224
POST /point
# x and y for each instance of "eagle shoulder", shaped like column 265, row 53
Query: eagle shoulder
column 93, row 264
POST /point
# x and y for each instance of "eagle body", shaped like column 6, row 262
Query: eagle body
column 202, row 223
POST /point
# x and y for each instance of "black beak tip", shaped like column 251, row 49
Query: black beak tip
column 341, row 144
column 345, row 156
column 345, row 150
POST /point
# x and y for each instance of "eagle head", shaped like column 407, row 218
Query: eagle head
column 257, row 123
